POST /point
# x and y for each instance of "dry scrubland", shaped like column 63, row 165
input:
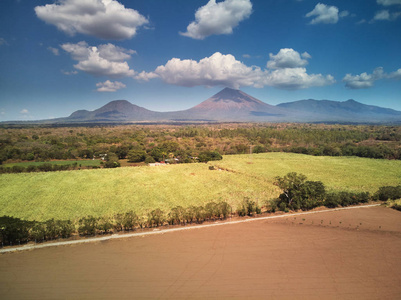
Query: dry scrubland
column 74, row 194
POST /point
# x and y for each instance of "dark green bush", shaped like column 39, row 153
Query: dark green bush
column 388, row 193
column 14, row 230
column 87, row 225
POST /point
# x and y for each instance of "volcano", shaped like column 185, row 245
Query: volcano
column 232, row 105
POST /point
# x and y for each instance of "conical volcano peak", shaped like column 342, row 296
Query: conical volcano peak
column 233, row 95
column 232, row 100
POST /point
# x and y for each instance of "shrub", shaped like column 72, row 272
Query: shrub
column 156, row 217
column 52, row 230
column 224, row 209
column 38, row 232
column 332, row 200
column 87, row 226
column 211, row 210
column 344, row 198
column 209, row 155
column 388, row 193
column 248, row 208
column 176, row 215
column 104, row 224
column 271, row 205
column 66, row 228
column 14, row 230
column 130, row 220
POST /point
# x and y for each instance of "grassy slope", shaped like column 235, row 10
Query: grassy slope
column 337, row 173
column 72, row 194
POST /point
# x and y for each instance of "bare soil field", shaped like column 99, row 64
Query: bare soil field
column 348, row 254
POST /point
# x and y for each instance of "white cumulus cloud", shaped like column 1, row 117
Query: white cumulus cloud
column 24, row 111
column 326, row 14
column 109, row 86
column 287, row 58
column 226, row 70
column 103, row 60
column 217, row 69
column 218, row 18
column 105, row 19
column 365, row 80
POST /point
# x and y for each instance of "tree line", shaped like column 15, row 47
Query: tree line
column 155, row 143
column 297, row 194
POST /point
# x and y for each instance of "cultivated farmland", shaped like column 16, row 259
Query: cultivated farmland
column 348, row 254
column 102, row 192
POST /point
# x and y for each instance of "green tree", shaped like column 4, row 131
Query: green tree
column 291, row 185
column 136, row 155
column 299, row 193
column 112, row 161
column 149, row 160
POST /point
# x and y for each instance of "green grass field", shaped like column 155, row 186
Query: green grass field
column 83, row 163
column 73, row 194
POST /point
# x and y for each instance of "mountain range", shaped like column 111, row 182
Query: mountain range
column 230, row 105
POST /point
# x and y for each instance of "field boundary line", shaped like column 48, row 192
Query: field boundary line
column 162, row 231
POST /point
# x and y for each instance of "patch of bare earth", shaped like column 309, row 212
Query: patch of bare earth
column 311, row 257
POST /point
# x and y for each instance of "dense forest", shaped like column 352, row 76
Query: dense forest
column 190, row 143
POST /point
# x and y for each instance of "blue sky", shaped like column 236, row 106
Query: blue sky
column 60, row 56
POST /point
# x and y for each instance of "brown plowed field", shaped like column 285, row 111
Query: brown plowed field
column 349, row 254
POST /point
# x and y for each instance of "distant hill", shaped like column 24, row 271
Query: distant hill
column 117, row 110
column 335, row 111
column 230, row 105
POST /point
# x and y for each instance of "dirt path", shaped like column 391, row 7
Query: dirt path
column 163, row 231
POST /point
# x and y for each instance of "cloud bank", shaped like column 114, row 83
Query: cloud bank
column 218, row 18
column 105, row 19
column 286, row 72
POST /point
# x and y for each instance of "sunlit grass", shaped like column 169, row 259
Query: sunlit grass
column 73, row 194
column 337, row 173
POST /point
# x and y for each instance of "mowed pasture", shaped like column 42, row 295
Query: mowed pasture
column 103, row 192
